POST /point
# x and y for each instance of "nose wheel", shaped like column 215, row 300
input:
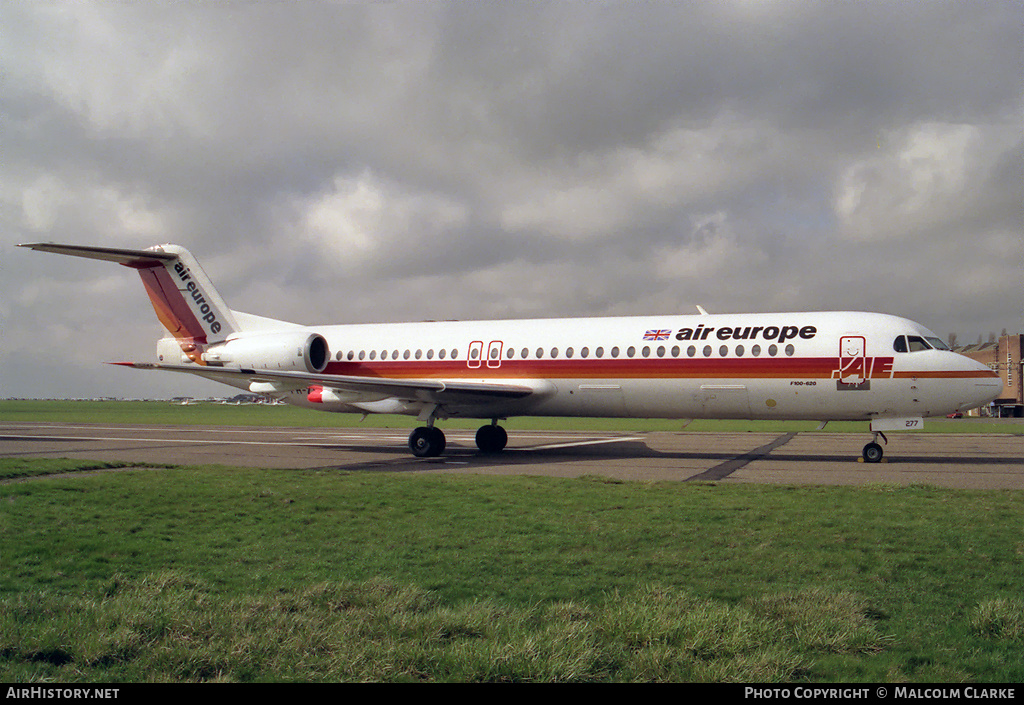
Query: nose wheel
column 873, row 452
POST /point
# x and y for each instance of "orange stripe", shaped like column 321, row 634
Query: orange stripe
column 947, row 374
column 675, row 368
column 172, row 311
column 170, row 306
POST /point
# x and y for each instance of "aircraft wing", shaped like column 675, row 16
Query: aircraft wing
column 427, row 390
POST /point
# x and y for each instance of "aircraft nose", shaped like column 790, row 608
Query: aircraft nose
column 986, row 384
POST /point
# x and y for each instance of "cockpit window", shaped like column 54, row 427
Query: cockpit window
column 916, row 343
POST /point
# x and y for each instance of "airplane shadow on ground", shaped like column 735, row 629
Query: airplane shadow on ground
column 469, row 458
column 612, row 457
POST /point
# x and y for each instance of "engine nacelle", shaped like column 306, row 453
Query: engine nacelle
column 298, row 351
column 172, row 351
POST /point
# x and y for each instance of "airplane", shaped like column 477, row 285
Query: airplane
column 823, row 366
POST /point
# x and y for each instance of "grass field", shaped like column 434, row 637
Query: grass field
column 236, row 574
column 231, row 574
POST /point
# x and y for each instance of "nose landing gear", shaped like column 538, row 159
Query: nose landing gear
column 872, row 452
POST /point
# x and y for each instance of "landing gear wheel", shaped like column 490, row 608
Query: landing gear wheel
column 491, row 439
column 872, row 453
column 426, row 442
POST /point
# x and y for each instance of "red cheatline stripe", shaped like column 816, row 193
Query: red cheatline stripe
column 683, row 368
column 170, row 306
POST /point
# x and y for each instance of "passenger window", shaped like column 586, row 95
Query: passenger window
column 568, row 352
column 615, row 351
column 599, row 352
column 675, row 351
column 441, row 354
column 691, row 351
column 790, row 350
column 773, row 350
column 585, row 352
column 430, row 354
column 756, row 350
column 540, row 353
column 707, row 351
column 739, row 351
column 554, row 352
column 646, row 352
column 723, row 351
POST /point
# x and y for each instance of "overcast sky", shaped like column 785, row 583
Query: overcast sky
column 336, row 162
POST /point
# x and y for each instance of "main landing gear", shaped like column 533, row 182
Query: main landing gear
column 872, row 451
column 429, row 441
column 491, row 438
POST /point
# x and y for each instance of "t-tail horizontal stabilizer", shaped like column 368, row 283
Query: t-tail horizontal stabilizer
column 182, row 295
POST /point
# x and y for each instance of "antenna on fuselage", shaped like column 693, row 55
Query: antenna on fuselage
column 701, row 309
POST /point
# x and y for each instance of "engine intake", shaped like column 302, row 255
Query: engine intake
column 299, row 351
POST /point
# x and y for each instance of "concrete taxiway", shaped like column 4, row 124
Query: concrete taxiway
column 958, row 460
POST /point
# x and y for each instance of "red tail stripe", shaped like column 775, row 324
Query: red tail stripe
column 170, row 306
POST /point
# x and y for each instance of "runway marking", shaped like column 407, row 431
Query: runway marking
column 179, row 429
column 197, row 441
column 576, row 444
column 326, row 440
column 306, row 433
column 723, row 470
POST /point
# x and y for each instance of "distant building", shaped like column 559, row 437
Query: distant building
column 1005, row 358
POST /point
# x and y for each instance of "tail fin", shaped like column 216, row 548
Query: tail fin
column 182, row 295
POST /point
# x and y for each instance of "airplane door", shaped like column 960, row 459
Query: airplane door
column 494, row 353
column 476, row 353
column 854, row 369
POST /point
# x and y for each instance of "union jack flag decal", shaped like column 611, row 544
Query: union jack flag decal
column 660, row 334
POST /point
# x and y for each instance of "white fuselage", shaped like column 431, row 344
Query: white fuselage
column 823, row 366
